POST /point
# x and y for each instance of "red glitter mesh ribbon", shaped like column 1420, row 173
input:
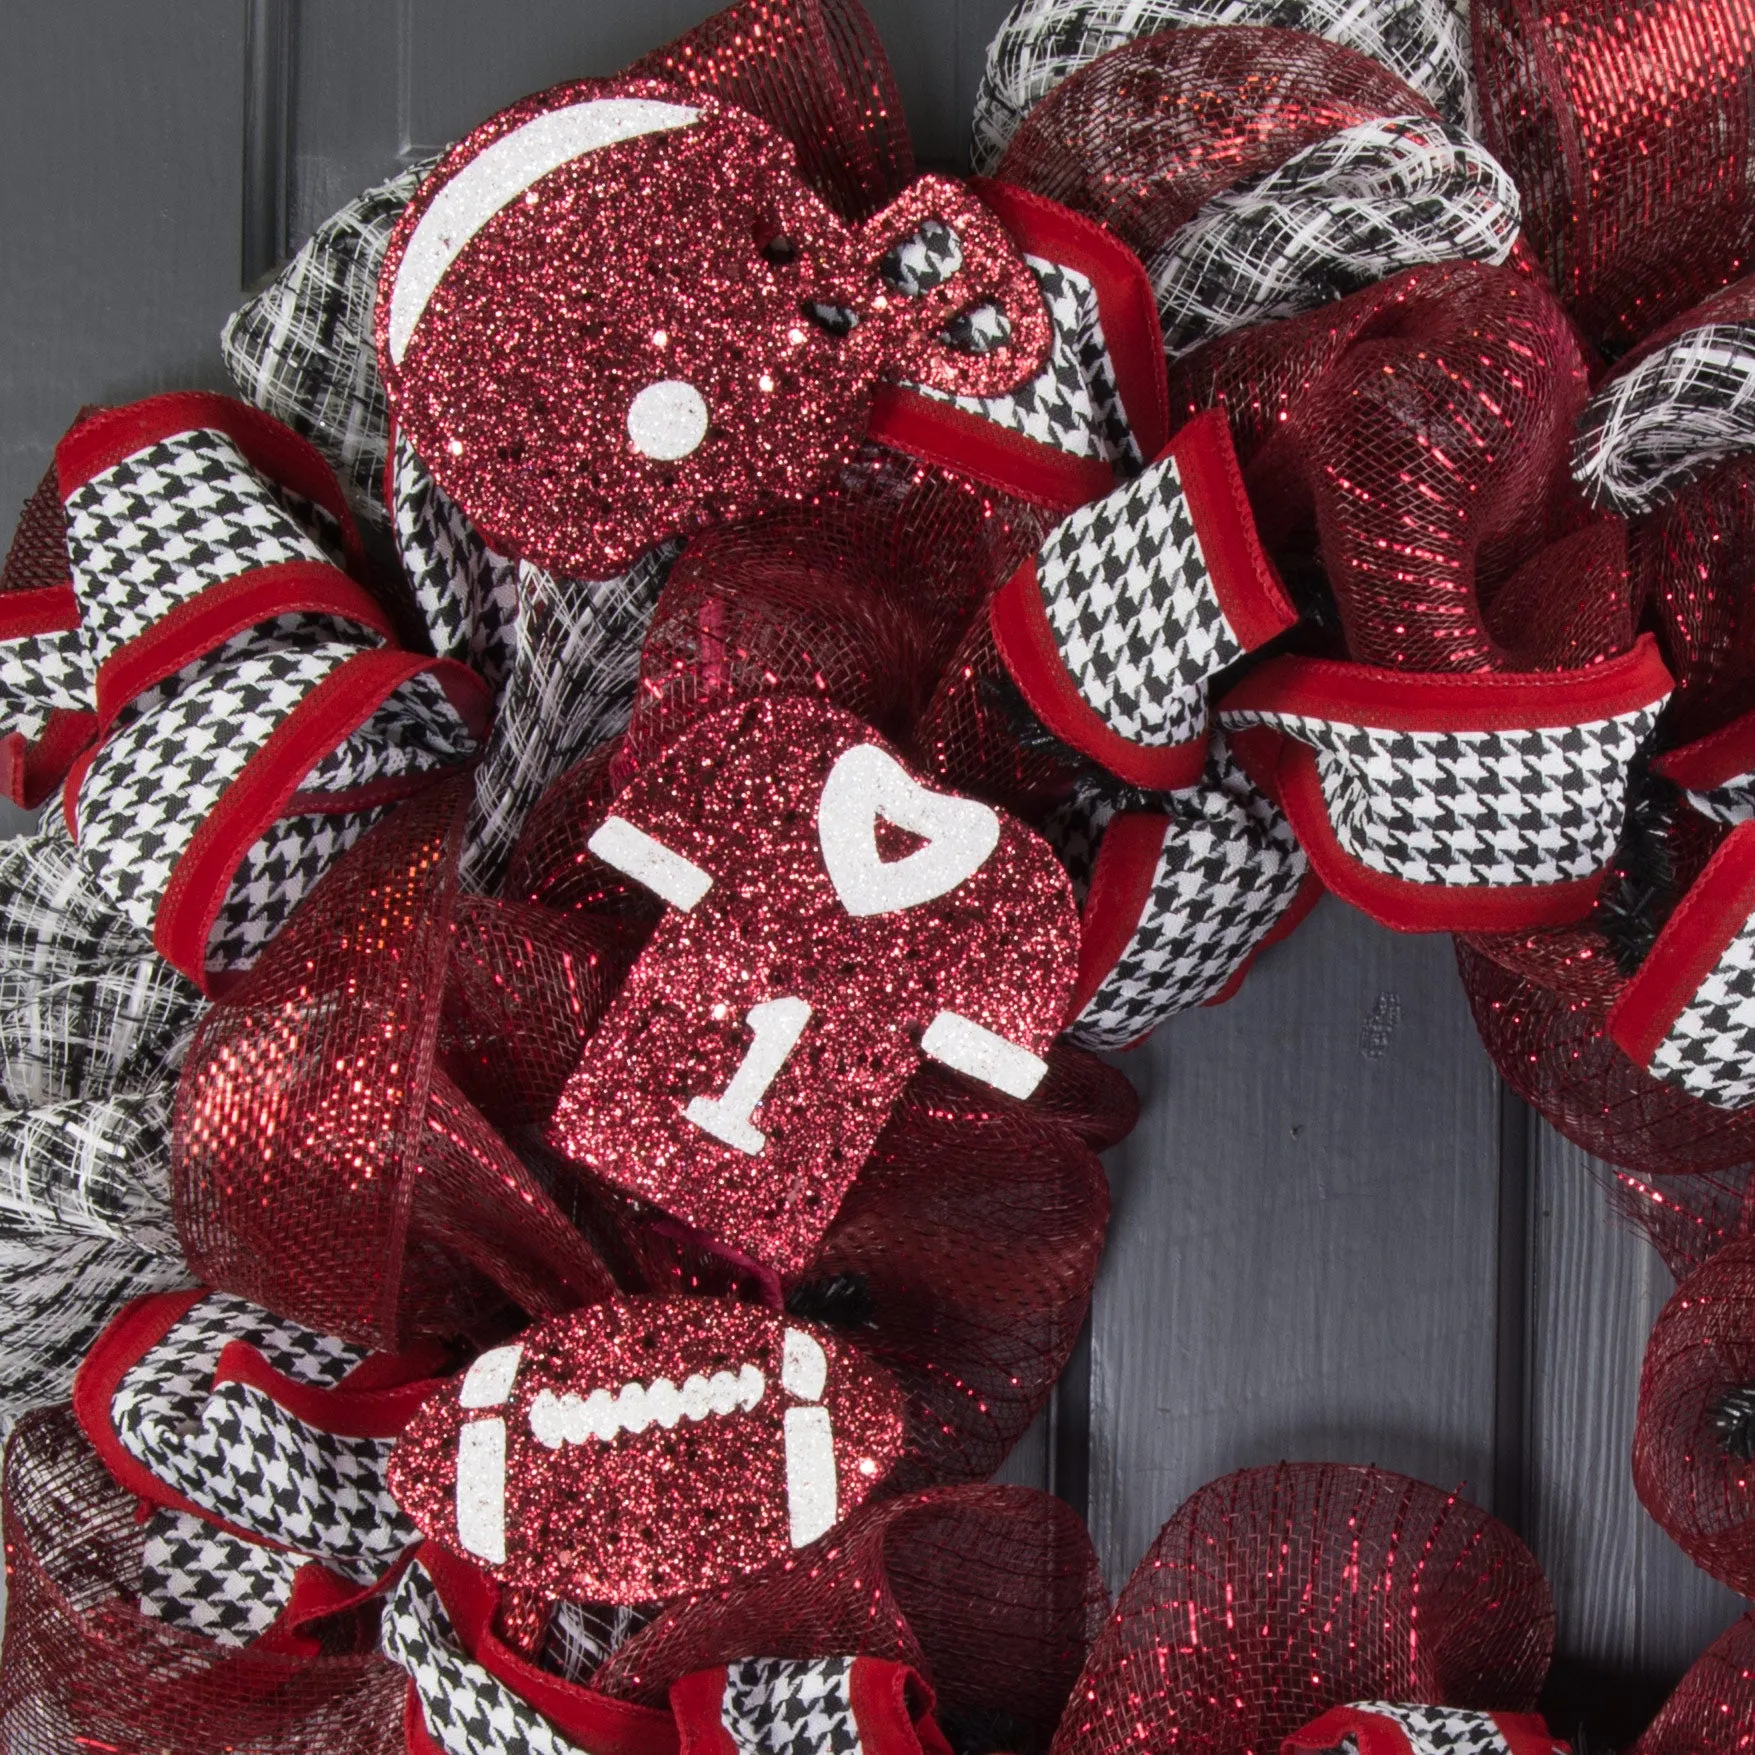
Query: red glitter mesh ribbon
column 1712, row 1711
column 1627, row 125
column 84, row 1668
column 1696, row 1418
column 325, row 1165
column 992, row 1593
column 1275, row 1594
column 1142, row 136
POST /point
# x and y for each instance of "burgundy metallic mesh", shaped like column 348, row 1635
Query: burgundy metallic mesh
column 1697, row 1488
column 37, row 559
column 1275, row 1594
column 992, row 1593
column 814, row 69
column 1541, row 1004
column 1694, row 565
column 976, row 1227
column 1418, row 432
column 323, row 1164
column 1142, row 136
column 1688, row 1216
column 1712, row 1711
column 979, row 735
column 1096, row 1100
column 1627, row 125
column 83, row 1669
column 858, row 603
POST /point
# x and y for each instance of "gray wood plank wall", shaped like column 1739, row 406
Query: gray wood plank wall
column 1335, row 1235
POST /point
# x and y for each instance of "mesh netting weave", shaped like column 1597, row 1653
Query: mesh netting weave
column 1692, row 1472
column 84, row 1669
column 1712, row 1711
column 1627, row 124
column 992, row 1593
column 1276, row 1593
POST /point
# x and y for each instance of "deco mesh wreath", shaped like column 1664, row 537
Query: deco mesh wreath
column 592, row 822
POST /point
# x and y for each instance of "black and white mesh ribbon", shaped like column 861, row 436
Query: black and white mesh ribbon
column 1185, row 892
column 301, row 349
column 234, row 1451
column 93, row 1027
column 1342, row 214
column 1659, row 423
column 1042, row 42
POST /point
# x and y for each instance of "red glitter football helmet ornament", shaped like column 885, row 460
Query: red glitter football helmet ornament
column 616, row 313
column 643, row 1447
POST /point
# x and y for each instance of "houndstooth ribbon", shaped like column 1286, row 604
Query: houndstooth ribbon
column 1180, row 891
column 1042, row 42
column 1657, row 424
column 1134, row 603
column 1383, row 1727
column 1342, row 214
column 202, row 543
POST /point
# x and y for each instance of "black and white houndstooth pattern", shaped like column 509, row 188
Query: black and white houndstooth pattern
column 790, row 1706
column 1134, row 610
column 163, row 525
column 301, row 349
column 1733, row 802
column 235, row 1452
column 1344, row 213
column 923, row 260
column 467, row 1710
column 1709, row 1050
column 467, row 593
column 1475, row 808
column 277, row 873
column 40, row 674
column 1650, row 430
column 571, row 688
column 1042, row 42
column 1074, row 405
column 1438, row 1730
column 1228, row 869
column 210, row 1582
column 162, row 772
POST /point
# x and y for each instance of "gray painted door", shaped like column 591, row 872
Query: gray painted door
column 1335, row 1235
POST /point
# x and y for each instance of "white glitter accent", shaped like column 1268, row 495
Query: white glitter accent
column 968, row 1047
column 667, row 420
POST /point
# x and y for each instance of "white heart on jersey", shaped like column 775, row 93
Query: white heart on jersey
column 867, row 783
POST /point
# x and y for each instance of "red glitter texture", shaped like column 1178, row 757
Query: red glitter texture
column 1712, row 1711
column 1416, row 435
column 85, row 1669
column 661, row 1509
column 324, row 1163
column 737, row 796
column 1275, row 1594
column 1627, row 125
column 649, row 262
column 1702, row 1345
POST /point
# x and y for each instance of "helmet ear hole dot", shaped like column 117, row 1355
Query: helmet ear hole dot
column 667, row 420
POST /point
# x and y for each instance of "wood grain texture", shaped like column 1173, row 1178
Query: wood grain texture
column 120, row 130
column 1626, row 1595
column 1302, row 1257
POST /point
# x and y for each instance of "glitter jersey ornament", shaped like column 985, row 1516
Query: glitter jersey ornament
column 743, row 1072
column 645, row 1447
column 615, row 313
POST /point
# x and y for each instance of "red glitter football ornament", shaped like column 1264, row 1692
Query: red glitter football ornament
column 648, row 1446
column 616, row 313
